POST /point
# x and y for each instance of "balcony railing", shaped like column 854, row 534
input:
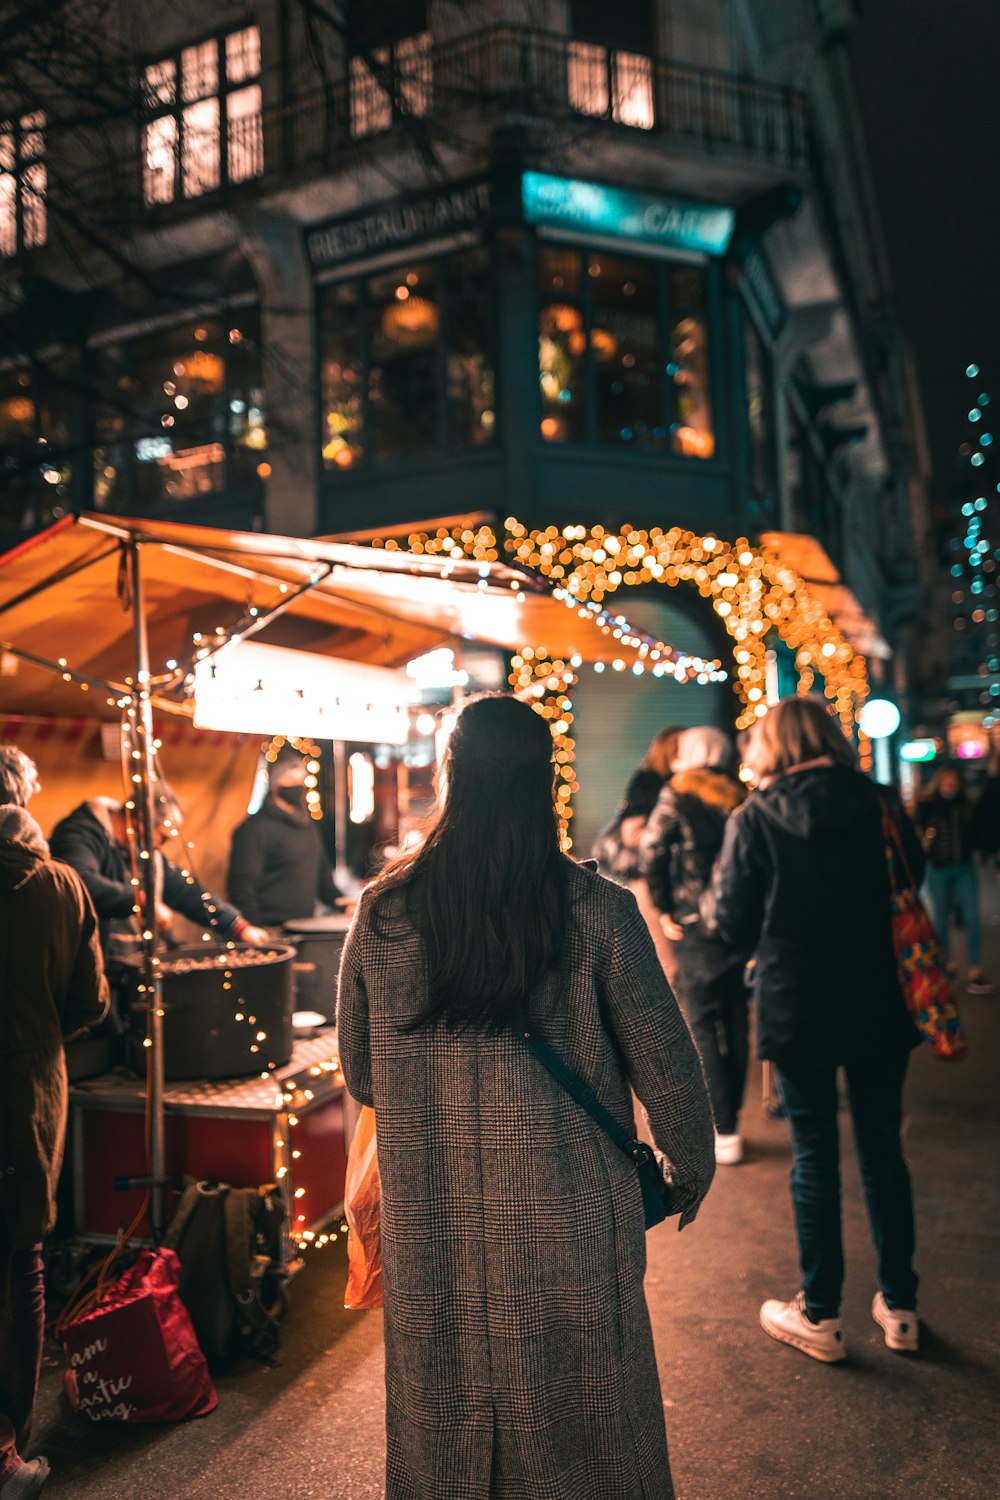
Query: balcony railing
column 514, row 70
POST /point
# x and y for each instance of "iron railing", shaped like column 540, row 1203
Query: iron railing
column 516, row 70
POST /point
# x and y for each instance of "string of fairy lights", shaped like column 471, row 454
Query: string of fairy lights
column 751, row 590
column 974, row 567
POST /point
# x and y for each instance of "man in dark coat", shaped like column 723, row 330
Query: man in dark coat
column 278, row 869
column 52, row 986
column 93, row 839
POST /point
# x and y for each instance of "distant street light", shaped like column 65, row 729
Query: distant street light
column 880, row 718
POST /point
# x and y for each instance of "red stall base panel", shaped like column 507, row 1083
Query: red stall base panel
column 289, row 1129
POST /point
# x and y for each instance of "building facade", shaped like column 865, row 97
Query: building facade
column 347, row 268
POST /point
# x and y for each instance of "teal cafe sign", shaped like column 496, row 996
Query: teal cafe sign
column 564, row 203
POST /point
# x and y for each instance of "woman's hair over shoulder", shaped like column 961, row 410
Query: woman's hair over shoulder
column 792, row 733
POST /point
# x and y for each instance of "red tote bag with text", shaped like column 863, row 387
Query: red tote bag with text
column 135, row 1358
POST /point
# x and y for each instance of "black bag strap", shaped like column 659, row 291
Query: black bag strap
column 182, row 1216
column 582, row 1093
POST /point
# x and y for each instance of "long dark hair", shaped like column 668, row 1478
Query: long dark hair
column 487, row 887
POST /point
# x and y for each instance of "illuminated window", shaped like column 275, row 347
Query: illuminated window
column 23, row 183
column 610, row 72
column 691, row 431
column 181, row 413
column 623, row 357
column 203, row 127
column 37, row 422
column 391, row 71
column 406, row 363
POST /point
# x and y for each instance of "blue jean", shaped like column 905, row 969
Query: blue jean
column 949, row 886
column 809, row 1096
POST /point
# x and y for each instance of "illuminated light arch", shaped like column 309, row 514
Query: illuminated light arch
column 751, row 590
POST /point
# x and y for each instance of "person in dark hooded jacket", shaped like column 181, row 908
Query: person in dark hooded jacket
column 278, row 868
column 803, row 882
column 52, row 986
column 679, row 846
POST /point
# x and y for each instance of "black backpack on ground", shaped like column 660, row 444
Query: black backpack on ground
column 228, row 1241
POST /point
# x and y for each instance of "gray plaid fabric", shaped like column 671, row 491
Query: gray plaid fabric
column 519, row 1356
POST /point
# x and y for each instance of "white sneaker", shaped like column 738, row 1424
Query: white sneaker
column 728, row 1150
column 900, row 1325
column 787, row 1322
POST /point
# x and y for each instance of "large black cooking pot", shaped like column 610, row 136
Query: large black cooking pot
column 319, row 942
column 228, row 1012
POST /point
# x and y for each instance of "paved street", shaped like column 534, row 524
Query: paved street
column 746, row 1417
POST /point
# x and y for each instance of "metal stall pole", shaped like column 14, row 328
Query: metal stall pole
column 143, row 769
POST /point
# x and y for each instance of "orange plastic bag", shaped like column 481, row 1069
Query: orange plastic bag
column 363, row 1211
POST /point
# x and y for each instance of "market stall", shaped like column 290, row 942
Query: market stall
column 127, row 626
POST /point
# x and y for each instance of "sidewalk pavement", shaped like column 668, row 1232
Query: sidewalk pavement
column 748, row 1419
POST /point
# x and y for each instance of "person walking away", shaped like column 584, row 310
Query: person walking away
column 680, row 844
column 52, row 986
column 617, row 846
column 519, row 1354
column 803, row 882
column 948, row 820
column 278, row 868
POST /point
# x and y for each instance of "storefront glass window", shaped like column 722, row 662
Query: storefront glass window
column 342, row 376
column 692, row 432
column 469, row 372
column 406, row 364
column 624, row 352
column 404, row 325
column 37, row 425
column 561, row 346
column 760, row 417
column 181, row 413
column 623, row 346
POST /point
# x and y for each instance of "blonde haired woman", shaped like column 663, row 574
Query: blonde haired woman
column 802, row 881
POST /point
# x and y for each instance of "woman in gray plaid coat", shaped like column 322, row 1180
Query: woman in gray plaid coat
column 519, row 1355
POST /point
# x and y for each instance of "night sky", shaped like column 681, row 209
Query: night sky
column 928, row 76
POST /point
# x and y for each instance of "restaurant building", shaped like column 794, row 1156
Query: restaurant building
column 561, row 263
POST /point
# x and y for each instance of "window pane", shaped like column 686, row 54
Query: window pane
column 243, row 54
column 200, row 71
column 414, row 73
column 176, row 410
column 245, row 394
column 246, row 134
column 8, row 214
column 160, row 83
column 342, row 376
column 561, row 343
column 689, row 366
column 403, row 334
column 371, row 106
column 633, row 103
column 588, row 79
column 159, row 159
column 469, row 369
column 7, row 156
column 623, row 347
column 687, row 288
column 33, row 212
column 760, row 417
column 32, row 138
column 200, row 161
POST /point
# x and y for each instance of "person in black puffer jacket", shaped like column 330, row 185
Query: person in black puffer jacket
column 679, row 846
column 803, row 881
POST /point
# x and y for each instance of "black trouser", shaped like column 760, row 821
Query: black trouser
column 875, row 1091
column 716, row 1008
